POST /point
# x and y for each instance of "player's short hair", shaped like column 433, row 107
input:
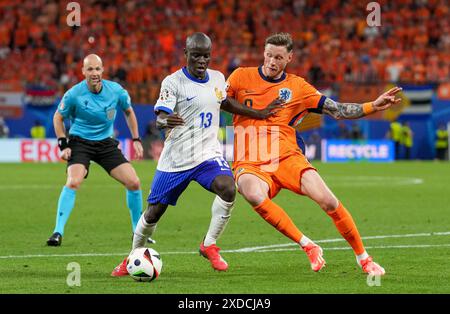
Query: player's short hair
column 281, row 39
column 198, row 39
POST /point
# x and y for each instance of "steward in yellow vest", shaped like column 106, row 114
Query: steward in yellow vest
column 396, row 135
column 441, row 143
column 37, row 131
column 406, row 139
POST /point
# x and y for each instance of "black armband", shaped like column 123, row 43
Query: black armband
column 137, row 139
column 62, row 143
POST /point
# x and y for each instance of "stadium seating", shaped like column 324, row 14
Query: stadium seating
column 141, row 41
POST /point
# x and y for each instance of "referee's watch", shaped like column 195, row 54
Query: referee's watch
column 137, row 139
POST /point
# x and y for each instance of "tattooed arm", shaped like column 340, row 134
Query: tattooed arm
column 355, row 111
column 342, row 110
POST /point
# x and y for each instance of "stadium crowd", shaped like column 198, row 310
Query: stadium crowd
column 142, row 41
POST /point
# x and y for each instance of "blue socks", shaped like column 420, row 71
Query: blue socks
column 134, row 203
column 65, row 205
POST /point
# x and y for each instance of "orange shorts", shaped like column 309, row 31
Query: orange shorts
column 284, row 175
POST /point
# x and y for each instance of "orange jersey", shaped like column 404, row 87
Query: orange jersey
column 262, row 141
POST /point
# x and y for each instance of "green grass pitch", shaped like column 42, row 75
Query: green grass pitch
column 403, row 210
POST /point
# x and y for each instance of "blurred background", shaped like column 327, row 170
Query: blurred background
column 141, row 42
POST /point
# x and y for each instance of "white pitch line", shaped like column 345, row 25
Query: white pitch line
column 421, row 246
column 65, row 255
column 337, row 180
column 267, row 248
column 54, row 186
column 372, row 180
column 257, row 248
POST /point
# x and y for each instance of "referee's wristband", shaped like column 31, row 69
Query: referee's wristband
column 137, row 139
column 62, row 143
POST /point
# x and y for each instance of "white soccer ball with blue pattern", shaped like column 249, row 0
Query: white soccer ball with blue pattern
column 144, row 264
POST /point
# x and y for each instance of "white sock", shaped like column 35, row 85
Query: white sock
column 304, row 241
column 221, row 212
column 359, row 258
column 142, row 232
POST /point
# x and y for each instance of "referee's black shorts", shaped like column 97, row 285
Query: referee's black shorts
column 105, row 152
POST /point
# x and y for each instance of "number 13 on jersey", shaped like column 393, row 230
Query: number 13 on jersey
column 206, row 119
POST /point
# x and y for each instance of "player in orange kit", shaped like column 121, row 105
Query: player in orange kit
column 267, row 158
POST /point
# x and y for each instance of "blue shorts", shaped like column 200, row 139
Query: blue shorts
column 168, row 186
column 300, row 142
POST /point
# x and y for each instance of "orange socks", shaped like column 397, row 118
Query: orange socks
column 347, row 228
column 277, row 217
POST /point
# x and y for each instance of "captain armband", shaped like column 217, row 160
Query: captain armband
column 368, row 108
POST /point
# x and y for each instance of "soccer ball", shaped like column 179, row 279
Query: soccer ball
column 144, row 264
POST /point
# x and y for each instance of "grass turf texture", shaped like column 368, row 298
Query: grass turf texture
column 384, row 199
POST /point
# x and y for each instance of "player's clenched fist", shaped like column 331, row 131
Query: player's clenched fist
column 174, row 120
column 138, row 149
column 66, row 153
column 169, row 121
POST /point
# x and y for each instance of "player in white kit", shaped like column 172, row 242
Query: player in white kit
column 189, row 107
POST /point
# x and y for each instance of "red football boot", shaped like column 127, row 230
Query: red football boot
column 120, row 270
column 212, row 253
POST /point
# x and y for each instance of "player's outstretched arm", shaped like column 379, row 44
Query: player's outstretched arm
column 355, row 111
column 233, row 106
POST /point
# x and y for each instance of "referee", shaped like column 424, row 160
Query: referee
column 91, row 106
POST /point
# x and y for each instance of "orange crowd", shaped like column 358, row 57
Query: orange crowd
column 142, row 41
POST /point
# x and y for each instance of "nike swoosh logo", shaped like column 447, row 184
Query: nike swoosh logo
column 190, row 98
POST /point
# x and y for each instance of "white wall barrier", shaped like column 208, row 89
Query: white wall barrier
column 29, row 150
column 364, row 150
